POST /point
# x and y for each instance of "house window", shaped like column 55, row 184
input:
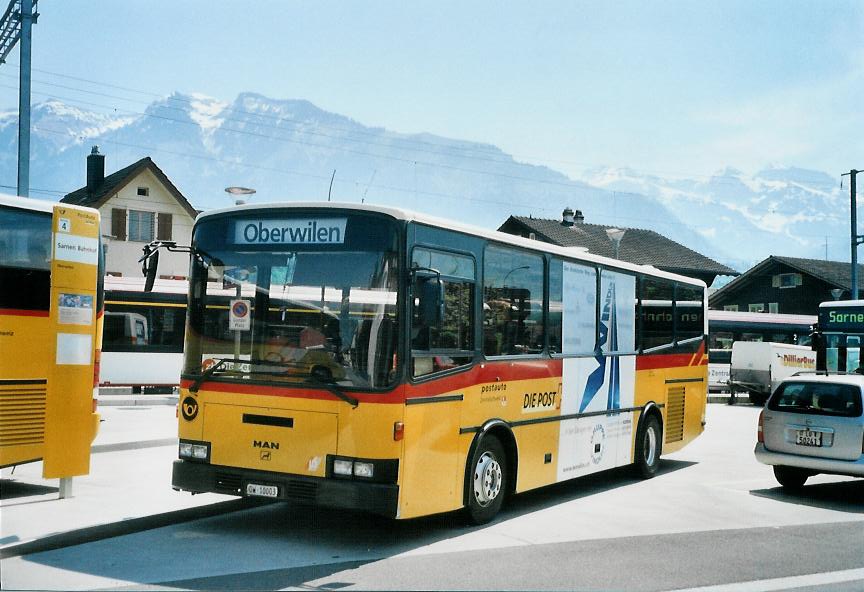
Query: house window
column 786, row 280
column 732, row 307
column 773, row 307
column 141, row 226
column 144, row 191
column 163, row 226
column 760, row 307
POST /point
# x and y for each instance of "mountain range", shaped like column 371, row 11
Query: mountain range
column 288, row 150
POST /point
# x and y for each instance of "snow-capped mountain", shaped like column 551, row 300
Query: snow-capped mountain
column 288, row 150
column 778, row 210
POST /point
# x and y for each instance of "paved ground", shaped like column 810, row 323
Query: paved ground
column 713, row 516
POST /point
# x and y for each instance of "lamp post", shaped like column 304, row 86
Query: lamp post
column 504, row 281
column 615, row 235
column 237, row 191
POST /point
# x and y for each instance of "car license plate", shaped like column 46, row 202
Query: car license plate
column 262, row 490
column 809, row 438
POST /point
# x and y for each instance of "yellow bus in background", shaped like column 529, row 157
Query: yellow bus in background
column 373, row 358
column 51, row 268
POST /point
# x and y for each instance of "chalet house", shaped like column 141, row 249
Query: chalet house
column 644, row 247
column 787, row 285
column 138, row 204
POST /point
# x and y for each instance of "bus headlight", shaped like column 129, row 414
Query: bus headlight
column 343, row 467
column 385, row 470
column 363, row 469
column 195, row 450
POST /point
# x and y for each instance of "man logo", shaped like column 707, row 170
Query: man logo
column 265, row 455
column 189, row 408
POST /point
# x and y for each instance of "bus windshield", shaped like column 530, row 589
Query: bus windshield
column 295, row 314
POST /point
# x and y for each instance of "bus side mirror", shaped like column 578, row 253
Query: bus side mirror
column 148, row 267
column 430, row 307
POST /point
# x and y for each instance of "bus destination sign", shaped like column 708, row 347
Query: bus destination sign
column 842, row 318
column 292, row 231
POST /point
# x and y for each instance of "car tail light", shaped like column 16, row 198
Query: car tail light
column 760, row 436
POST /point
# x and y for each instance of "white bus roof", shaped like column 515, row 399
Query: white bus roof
column 501, row 237
column 27, row 203
column 136, row 284
column 760, row 317
column 841, row 303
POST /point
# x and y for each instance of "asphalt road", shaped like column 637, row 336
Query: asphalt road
column 712, row 517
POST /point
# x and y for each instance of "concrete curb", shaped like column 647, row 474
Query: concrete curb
column 130, row 526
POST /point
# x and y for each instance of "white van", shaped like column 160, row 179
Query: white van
column 759, row 366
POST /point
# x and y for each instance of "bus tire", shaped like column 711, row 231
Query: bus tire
column 486, row 480
column 789, row 477
column 649, row 446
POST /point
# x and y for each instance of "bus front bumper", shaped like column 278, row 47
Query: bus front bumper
column 376, row 498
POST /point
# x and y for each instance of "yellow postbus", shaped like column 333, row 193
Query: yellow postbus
column 50, row 330
column 372, row 358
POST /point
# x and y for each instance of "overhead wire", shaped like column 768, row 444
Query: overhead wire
column 512, row 158
column 569, row 184
column 389, row 145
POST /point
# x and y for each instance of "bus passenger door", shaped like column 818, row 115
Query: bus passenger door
column 431, row 476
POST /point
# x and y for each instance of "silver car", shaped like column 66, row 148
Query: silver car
column 812, row 424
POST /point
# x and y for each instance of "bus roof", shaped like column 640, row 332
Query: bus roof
column 501, row 237
column 760, row 317
column 841, row 303
column 27, row 203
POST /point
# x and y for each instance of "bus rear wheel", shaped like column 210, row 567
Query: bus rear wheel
column 486, row 480
column 648, row 447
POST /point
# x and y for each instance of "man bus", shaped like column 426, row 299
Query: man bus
column 453, row 365
column 50, row 329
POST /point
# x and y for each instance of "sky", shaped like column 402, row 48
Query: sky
column 670, row 88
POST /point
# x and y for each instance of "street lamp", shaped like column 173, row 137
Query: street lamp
column 504, row 281
column 235, row 191
column 615, row 235
column 836, row 293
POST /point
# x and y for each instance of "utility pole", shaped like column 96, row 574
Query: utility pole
column 17, row 24
column 24, row 98
column 856, row 239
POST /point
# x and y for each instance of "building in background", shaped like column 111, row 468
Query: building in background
column 786, row 285
column 636, row 245
column 138, row 204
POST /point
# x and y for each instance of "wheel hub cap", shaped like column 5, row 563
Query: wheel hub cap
column 650, row 446
column 487, row 479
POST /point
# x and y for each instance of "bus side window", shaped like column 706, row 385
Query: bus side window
column 656, row 296
column 442, row 315
column 512, row 302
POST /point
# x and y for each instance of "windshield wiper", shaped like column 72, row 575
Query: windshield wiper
column 206, row 374
column 311, row 380
column 332, row 388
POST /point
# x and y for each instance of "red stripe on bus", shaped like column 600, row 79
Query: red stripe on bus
column 659, row 361
column 482, row 373
column 16, row 312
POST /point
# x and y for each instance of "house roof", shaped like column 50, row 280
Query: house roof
column 117, row 180
column 644, row 247
column 835, row 273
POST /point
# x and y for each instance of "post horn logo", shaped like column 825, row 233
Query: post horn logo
column 189, row 408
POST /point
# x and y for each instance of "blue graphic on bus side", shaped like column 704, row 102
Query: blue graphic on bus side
column 608, row 319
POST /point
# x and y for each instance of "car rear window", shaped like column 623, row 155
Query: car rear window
column 817, row 398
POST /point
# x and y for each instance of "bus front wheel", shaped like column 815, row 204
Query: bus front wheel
column 486, row 480
column 648, row 447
